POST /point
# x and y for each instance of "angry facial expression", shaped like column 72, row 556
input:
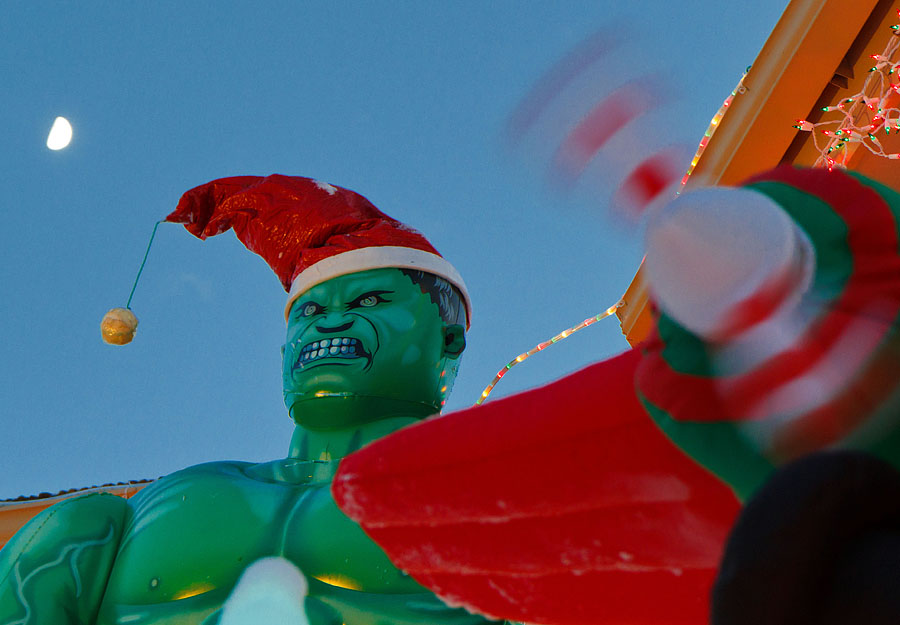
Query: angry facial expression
column 361, row 340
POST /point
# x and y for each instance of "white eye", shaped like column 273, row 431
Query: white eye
column 309, row 309
column 369, row 301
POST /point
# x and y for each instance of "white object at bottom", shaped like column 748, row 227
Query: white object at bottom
column 270, row 591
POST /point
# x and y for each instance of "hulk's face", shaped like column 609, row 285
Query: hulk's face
column 365, row 346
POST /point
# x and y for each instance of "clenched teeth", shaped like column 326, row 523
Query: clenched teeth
column 340, row 347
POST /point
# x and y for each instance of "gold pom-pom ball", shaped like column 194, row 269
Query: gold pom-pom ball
column 118, row 326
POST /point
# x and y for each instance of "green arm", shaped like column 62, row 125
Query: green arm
column 55, row 569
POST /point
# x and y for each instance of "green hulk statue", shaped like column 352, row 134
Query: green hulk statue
column 376, row 324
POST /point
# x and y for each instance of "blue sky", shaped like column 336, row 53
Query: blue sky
column 404, row 102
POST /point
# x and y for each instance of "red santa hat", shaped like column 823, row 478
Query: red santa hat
column 308, row 231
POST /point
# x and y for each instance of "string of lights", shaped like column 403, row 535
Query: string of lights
column 541, row 346
column 859, row 119
column 711, row 129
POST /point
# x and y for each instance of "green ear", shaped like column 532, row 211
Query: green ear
column 454, row 340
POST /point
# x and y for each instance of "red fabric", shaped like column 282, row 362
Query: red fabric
column 592, row 598
column 872, row 239
column 561, row 505
column 292, row 222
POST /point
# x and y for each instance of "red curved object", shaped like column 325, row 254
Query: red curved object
column 290, row 221
column 562, row 505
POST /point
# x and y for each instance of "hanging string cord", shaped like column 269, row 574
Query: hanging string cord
column 541, row 346
column 143, row 262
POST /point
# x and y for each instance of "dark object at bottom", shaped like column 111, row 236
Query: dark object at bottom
column 818, row 544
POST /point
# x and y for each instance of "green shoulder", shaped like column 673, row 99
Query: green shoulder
column 55, row 568
column 172, row 487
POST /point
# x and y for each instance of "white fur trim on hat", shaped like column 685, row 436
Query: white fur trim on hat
column 376, row 257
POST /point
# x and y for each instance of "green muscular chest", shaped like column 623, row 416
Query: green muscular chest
column 193, row 533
